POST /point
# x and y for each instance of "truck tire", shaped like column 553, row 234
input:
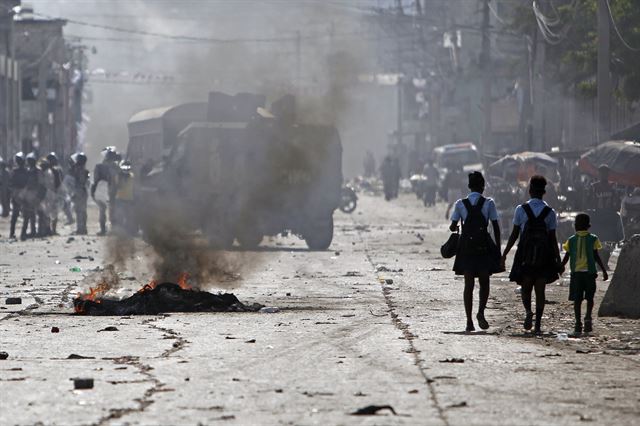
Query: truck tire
column 320, row 234
column 249, row 238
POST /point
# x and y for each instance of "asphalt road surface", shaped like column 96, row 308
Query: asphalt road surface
column 376, row 320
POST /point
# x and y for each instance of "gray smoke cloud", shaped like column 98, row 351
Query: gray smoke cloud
column 321, row 68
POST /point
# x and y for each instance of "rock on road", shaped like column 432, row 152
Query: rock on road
column 376, row 320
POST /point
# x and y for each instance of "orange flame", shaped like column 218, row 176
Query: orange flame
column 152, row 284
column 94, row 293
column 182, row 281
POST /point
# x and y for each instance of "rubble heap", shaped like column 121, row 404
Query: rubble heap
column 623, row 294
column 165, row 297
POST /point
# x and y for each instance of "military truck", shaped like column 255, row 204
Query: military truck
column 248, row 172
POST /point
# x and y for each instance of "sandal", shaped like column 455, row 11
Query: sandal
column 588, row 325
column 528, row 321
column 482, row 322
column 578, row 328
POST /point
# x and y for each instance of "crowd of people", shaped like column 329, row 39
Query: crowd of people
column 38, row 188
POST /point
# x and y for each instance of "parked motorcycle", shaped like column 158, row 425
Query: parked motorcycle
column 349, row 199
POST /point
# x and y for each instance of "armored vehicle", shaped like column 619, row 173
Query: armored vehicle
column 247, row 172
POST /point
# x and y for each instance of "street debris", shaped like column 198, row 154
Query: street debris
column 269, row 310
column 382, row 268
column 76, row 356
column 458, row 405
column 165, row 297
column 4, row 355
column 110, row 328
column 55, row 330
column 453, row 360
column 82, row 383
column 372, row 410
column 14, row 301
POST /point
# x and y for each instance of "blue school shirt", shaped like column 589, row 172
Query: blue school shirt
column 489, row 210
column 520, row 216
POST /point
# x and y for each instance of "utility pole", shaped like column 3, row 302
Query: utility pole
column 400, row 99
column 298, row 62
column 486, row 76
column 604, row 76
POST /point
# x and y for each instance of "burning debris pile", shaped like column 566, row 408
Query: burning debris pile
column 156, row 298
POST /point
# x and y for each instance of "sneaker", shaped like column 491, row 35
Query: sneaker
column 588, row 325
column 482, row 322
column 470, row 327
column 537, row 331
column 528, row 321
column 577, row 329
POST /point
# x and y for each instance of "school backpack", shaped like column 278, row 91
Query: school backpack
column 474, row 240
column 535, row 238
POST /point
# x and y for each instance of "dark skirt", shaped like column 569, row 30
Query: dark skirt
column 489, row 263
column 549, row 271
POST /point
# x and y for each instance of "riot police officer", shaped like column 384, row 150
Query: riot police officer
column 5, row 196
column 80, row 194
column 33, row 195
column 106, row 171
column 57, row 196
column 17, row 184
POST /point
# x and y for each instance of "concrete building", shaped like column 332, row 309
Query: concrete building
column 9, row 80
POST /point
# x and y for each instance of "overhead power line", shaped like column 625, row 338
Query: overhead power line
column 615, row 27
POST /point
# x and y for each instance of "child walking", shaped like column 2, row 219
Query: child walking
column 582, row 253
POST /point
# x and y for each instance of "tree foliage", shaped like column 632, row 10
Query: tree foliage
column 572, row 58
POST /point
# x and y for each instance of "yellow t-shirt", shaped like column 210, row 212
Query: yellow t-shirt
column 582, row 264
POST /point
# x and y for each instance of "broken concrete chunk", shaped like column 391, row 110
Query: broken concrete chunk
column 83, row 383
column 76, row 356
column 372, row 410
column 453, row 360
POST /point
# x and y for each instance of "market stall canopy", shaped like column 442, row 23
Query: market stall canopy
column 622, row 157
column 523, row 165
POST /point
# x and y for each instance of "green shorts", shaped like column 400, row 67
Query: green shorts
column 582, row 286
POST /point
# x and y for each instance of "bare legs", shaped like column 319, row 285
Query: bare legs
column 528, row 286
column 483, row 280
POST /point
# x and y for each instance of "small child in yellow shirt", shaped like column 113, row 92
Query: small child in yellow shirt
column 582, row 251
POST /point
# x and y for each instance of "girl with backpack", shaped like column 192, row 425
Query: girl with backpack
column 537, row 259
column 477, row 255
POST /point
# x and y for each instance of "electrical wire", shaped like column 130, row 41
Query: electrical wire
column 545, row 23
column 615, row 27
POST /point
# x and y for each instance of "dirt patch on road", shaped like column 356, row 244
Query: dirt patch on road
column 617, row 336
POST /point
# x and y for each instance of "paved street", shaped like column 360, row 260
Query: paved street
column 378, row 320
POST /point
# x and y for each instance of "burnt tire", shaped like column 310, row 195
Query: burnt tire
column 320, row 234
column 249, row 238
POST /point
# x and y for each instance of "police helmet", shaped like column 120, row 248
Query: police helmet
column 79, row 158
column 19, row 158
column 52, row 158
column 109, row 153
column 125, row 165
column 31, row 158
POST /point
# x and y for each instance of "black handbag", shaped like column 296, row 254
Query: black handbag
column 450, row 248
